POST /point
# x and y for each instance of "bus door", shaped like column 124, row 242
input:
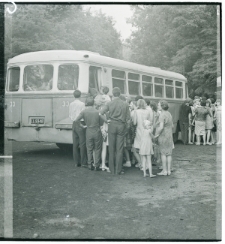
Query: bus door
column 95, row 78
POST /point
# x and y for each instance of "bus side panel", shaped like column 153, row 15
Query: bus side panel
column 61, row 110
column 12, row 109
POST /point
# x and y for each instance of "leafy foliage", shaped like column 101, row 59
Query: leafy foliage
column 181, row 38
column 47, row 27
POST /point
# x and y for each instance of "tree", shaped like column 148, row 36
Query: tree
column 181, row 38
column 47, row 27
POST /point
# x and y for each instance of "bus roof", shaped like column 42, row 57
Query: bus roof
column 73, row 55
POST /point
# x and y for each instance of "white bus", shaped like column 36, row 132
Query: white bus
column 40, row 85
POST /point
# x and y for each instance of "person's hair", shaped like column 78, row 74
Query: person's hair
column 129, row 100
column 76, row 93
column 93, row 92
column 135, row 103
column 147, row 101
column 164, row 104
column 203, row 103
column 138, row 97
column 218, row 100
column 203, row 99
column 122, row 98
column 89, row 101
column 105, row 90
column 116, row 92
column 191, row 102
column 141, row 104
column 212, row 100
column 153, row 105
column 196, row 97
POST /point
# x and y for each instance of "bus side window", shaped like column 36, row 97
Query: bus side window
column 95, row 74
column 13, row 79
column 134, row 84
column 119, row 79
column 68, row 77
column 179, row 89
column 158, row 87
column 147, row 87
column 169, row 88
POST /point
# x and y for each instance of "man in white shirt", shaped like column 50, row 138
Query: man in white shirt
column 79, row 133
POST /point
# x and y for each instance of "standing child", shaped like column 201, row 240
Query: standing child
column 146, row 149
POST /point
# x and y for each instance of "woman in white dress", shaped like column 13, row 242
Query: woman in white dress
column 140, row 115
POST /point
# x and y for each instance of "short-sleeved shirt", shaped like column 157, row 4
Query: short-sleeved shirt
column 75, row 108
column 201, row 113
column 118, row 110
column 184, row 112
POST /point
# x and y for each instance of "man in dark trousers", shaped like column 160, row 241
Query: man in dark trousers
column 185, row 120
column 79, row 140
column 119, row 117
column 93, row 121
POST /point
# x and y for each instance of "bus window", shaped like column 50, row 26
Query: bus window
column 133, row 84
column 38, row 77
column 13, row 79
column 94, row 77
column 179, row 89
column 68, row 76
column 118, row 80
column 169, row 88
column 158, row 87
column 147, row 85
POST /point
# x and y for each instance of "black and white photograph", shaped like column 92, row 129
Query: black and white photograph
column 111, row 121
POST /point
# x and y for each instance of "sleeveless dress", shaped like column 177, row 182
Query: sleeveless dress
column 165, row 139
column 146, row 147
column 139, row 116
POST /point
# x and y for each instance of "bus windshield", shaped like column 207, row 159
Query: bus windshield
column 38, row 77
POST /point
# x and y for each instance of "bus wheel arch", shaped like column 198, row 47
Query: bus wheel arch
column 65, row 147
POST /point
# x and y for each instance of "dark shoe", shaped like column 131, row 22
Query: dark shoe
column 90, row 167
column 97, row 169
column 77, row 165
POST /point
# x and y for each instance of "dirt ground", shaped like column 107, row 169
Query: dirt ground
column 55, row 200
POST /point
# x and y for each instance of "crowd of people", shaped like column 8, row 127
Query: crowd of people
column 138, row 132
column 135, row 132
column 201, row 117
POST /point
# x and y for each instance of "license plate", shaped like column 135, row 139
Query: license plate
column 37, row 121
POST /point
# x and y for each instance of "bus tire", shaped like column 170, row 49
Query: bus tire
column 65, row 147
